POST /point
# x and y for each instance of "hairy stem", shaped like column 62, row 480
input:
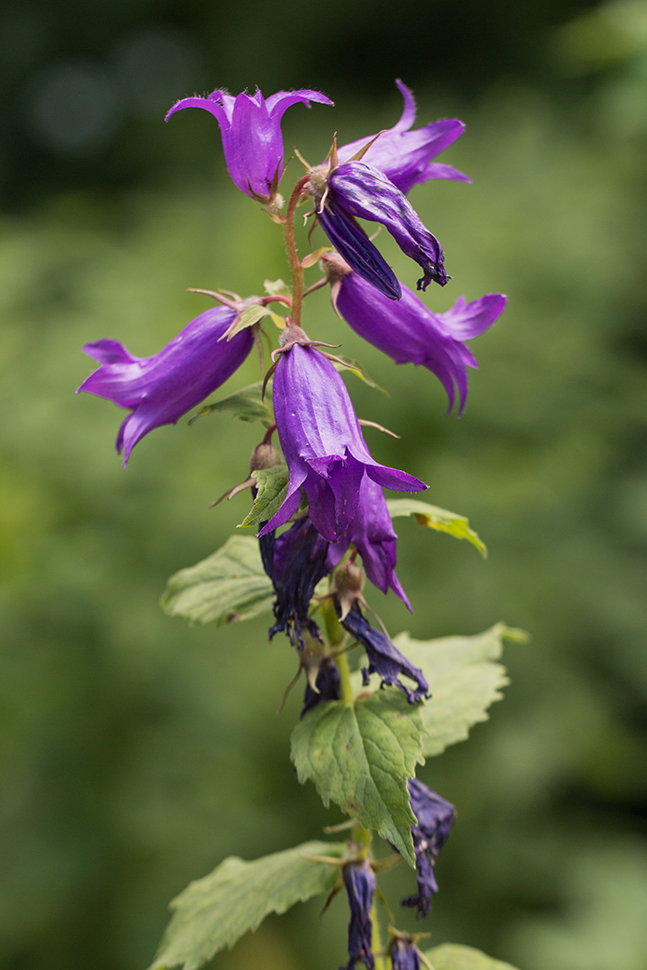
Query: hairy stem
column 296, row 268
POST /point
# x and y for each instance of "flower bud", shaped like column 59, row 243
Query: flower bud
column 264, row 456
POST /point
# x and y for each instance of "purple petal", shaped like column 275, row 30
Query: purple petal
column 161, row 388
column 436, row 170
column 282, row 100
column 466, row 320
column 352, row 243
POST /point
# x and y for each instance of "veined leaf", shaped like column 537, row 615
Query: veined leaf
column 360, row 756
column 464, row 680
column 229, row 585
column 246, row 404
column 453, row 956
column 212, row 913
column 434, row 518
column 272, row 488
column 277, row 288
column 345, row 363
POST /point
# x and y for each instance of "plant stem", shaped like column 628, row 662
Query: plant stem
column 376, row 943
column 295, row 266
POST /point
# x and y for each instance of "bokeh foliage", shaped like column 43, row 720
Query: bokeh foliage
column 137, row 752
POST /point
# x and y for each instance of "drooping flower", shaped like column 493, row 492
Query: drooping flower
column 357, row 190
column 323, row 444
column 360, row 883
column 384, row 658
column 327, row 683
column 250, row 127
column 299, row 563
column 404, row 953
column 371, row 532
column 408, row 331
column 435, row 819
column 160, row 389
column 405, row 156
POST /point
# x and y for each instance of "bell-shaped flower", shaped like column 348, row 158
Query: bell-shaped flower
column 408, row 331
column 357, row 190
column 384, row 658
column 360, row 882
column 435, row 819
column 405, row 156
column 160, row 389
column 371, row 532
column 250, row 127
column 323, row 444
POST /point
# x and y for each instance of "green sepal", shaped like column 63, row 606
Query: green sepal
column 345, row 363
column 214, row 912
column 272, row 487
column 253, row 314
column 246, row 405
column 360, row 756
column 229, row 585
column 434, row 518
column 453, row 956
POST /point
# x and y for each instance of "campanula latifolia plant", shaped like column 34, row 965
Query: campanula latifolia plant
column 374, row 706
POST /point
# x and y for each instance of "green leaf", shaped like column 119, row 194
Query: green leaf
column 434, row 518
column 345, row 363
column 253, row 314
column 360, row 756
column 277, row 288
column 229, row 585
column 464, row 680
column 272, row 485
column 453, row 956
column 246, row 404
column 212, row 913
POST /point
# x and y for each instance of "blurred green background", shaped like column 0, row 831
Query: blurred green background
column 135, row 752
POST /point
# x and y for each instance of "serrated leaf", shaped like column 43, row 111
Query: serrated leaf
column 212, row 913
column 229, row 585
column 246, row 405
column 253, row 314
column 345, row 363
column 453, row 956
column 360, row 756
column 277, row 288
column 464, row 680
column 435, row 518
column 272, row 485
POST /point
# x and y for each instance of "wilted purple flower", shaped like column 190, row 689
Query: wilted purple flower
column 371, row 532
column 409, row 332
column 355, row 189
column 384, row 658
column 404, row 953
column 161, row 388
column 360, row 883
column 328, row 684
column 299, row 563
column 435, row 818
column 405, row 156
column 323, row 445
column 251, row 134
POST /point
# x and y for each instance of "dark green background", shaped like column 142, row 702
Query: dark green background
column 136, row 752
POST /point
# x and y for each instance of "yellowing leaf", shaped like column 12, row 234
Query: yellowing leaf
column 433, row 517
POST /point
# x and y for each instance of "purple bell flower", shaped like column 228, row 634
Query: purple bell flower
column 371, row 532
column 405, row 156
column 251, row 134
column 404, row 954
column 409, row 332
column 299, row 563
column 357, row 190
column 161, row 388
column 384, row 658
column 360, row 883
column 323, row 444
column 435, row 819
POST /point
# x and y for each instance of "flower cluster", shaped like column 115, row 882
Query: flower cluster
column 331, row 512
